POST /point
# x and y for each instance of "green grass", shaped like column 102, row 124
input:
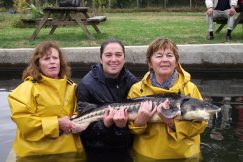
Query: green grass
column 138, row 28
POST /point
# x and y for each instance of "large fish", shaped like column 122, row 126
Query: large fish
column 180, row 106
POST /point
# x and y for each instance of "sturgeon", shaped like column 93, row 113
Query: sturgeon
column 180, row 106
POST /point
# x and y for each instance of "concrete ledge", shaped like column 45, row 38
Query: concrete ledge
column 203, row 57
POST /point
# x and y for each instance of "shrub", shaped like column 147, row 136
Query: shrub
column 34, row 11
column 19, row 5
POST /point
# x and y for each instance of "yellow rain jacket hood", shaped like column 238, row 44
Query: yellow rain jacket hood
column 158, row 141
column 35, row 108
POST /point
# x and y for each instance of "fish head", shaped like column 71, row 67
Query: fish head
column 197, row 110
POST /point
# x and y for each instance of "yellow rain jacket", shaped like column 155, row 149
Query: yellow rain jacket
column 158, row 141
column 35, row 108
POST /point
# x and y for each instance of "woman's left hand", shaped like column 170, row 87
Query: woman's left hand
column 120, row 118
column 168, row 121
column 145, row 112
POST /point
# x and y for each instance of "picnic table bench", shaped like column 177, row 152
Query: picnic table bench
column 223, row 22
column 68, row 16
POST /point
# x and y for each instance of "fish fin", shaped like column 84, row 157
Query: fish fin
column 141, row 98
column 85, row 108
column 165, row 95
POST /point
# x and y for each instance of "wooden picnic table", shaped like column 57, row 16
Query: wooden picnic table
column 223, row 22
column 66, row 16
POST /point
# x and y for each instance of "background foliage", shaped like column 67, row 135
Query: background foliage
column 17, row 4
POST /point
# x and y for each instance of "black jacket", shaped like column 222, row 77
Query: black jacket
column 97, row 89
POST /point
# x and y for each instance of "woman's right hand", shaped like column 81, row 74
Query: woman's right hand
column 65, row 124
column 108, row 117
column 145, row 112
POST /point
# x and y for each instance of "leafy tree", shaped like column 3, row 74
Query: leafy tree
column 19, row 5
column 101, row 3
column 6, row 3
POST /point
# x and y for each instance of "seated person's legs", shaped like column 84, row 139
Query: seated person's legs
column 216, row 15
column 210, row 27
column 230, row 24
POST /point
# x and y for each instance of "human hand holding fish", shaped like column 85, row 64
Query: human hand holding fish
column 108, row 116
column 77, row 128
column 121, row 117
column 145, row 112
column 65, row 124
column 168, row 121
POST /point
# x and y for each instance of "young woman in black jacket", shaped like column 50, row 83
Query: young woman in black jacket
column 107, row 82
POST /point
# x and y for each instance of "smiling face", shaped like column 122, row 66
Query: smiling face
column 112, row 59
column 50, row 64
column 163, row 63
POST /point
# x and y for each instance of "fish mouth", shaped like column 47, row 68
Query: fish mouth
column 168, row 113
column 201, row 114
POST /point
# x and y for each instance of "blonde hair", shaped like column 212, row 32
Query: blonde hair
column 41, row 49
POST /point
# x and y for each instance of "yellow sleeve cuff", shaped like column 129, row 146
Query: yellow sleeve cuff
column 50, row 126
column 135, row 129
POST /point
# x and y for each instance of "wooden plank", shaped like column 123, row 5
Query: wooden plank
column 33, row 22
column 238, row 20
column 40, row 25
column 220, row 28
column 93, row 23
column 83, row 26
column 220, row 20
column 223, row 22
column 97, row 18
column 65, row 9
column 68, row 23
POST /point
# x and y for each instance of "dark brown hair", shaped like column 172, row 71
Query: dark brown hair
column 109, row 41
column 161, row 43
column 41, row 50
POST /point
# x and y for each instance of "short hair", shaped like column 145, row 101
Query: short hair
column 161, row 43
column 41, row 49
column 109, row 41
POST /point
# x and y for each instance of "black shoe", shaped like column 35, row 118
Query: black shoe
column 228, row 38
column 210, row 36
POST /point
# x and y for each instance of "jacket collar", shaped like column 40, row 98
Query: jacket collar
column 183, row 78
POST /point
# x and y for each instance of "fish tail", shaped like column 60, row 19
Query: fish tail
column 85, row 108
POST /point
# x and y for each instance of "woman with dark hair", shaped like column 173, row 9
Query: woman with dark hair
column 107, row 82
column 172, row 139
column 42, row 105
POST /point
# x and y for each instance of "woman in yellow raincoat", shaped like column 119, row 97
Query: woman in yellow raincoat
column 42, row 105
column 172, row 139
